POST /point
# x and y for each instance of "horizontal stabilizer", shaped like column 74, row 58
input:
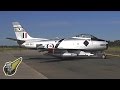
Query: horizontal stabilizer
column 12, row 39
column 18, row 41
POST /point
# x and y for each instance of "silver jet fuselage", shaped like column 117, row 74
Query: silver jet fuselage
column 81, row 44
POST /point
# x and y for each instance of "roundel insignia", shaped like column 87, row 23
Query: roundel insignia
column 50, row 46
column 86, row 43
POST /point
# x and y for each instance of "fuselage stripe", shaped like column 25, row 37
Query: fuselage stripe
column 56, row 46
column 23, row 35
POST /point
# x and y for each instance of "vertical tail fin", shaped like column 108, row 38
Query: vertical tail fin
column 20, row 32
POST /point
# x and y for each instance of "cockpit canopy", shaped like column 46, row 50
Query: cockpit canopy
column 87, row 36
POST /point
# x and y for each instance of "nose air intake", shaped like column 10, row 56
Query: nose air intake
column 107, row 42
column 106, row 46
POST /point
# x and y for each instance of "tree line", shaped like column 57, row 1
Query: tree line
column 114, row 43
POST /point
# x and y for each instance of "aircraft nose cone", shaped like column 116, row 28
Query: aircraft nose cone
column 104, row 44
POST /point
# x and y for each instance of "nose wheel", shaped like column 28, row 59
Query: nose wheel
column 103, row 56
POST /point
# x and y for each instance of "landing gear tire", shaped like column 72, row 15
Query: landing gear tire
column 103, row 56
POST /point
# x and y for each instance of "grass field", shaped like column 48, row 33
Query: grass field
column 113, row 50
column 10, row 48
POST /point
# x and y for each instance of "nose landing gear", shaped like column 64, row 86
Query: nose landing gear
column 103, row 56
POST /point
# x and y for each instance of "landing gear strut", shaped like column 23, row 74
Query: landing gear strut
column 100, row 54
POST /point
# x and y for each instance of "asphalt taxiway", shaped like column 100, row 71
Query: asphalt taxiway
column 35, row 65
column 24, row 71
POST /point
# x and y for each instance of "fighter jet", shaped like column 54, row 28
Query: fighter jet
column 77, row 46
